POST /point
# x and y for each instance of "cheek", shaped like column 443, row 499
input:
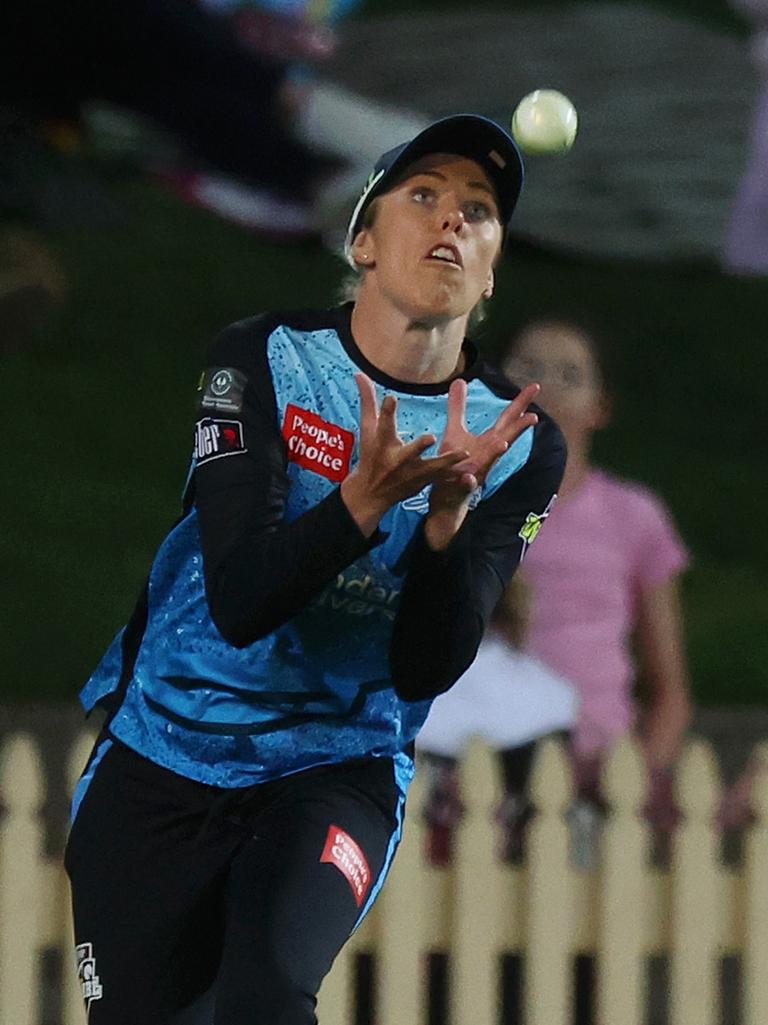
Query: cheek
column 491, row 236
column 569, row 404
column 480, row 264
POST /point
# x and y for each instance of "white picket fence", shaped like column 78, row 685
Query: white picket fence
column 621, row 910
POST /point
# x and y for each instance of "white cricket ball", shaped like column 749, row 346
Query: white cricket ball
column 545, row 121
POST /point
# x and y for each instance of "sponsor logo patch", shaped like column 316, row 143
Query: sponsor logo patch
column 342, row 851
column 317, row 444
column 86, row 971
column 215, row 439
column 222, row 389
column 532, row 525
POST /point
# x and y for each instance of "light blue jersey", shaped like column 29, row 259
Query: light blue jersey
column 318, row 687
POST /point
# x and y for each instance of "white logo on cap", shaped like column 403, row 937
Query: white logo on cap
column 497, row 158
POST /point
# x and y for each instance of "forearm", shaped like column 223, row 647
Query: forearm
column 663, row 729
column 452, row 586
column 660, row 636
column 271, row 574
column 439, row 626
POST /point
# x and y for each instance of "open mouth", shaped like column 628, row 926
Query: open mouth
column 445, row 254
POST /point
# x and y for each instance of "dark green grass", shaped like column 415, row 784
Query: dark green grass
column 98, row 424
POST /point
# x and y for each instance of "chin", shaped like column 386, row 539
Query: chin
column 439, row 307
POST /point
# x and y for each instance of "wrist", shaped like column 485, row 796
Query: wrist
column 440, row 528
column 361, row 507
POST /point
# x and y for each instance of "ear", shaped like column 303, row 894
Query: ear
column 489, row 285
column 362, row 248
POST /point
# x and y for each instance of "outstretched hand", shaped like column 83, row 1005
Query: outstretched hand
column 389, row 469
column 449, row 497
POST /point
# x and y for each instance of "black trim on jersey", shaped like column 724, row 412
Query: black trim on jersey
column 260, row 570
column 285, row 722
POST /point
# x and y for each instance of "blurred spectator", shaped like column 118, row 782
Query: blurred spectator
column 746, row 243
column 265, row 142
column 345, row 127
column 603, row 574
column 32, row 287
column 172, row 61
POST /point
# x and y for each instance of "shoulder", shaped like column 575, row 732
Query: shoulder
column 630, row 495
column 244, row 343
column 238, row 372
column 635, row 504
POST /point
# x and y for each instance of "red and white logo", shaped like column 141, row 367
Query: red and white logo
column 217, row 438
column 317, row 444
column 342, row 851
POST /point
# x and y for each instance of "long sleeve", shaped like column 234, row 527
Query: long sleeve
column 260, row 569
column 448, row 596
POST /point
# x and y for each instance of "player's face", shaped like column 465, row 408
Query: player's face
column 559, row 358
column 435, row 239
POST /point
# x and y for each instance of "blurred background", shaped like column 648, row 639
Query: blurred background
column 130, row 234
column 169, row 167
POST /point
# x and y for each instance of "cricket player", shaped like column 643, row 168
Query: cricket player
column 362, row 488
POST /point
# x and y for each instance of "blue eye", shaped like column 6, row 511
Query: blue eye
column 477, row 211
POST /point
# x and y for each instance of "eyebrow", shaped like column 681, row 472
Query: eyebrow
column 472, row 184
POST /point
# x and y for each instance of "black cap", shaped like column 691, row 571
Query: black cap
column 466, row 135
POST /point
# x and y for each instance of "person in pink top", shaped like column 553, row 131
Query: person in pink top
column 604, row 575
column 598, row 592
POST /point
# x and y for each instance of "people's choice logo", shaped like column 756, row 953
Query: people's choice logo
column 86, row 971
column 342, row 851
column 317, row 444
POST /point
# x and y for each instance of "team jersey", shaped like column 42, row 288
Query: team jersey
column 272, row 635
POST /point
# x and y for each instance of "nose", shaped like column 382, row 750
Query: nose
column 453, row 218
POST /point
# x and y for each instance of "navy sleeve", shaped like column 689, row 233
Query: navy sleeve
column 259, row 569
column 448, row 596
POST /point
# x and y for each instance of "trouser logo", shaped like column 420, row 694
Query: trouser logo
column 342, row 851
column 86, row 970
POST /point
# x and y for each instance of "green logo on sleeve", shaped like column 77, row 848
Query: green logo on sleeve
column 530, row 529
column 532, row 525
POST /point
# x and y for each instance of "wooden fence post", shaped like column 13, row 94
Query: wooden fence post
column 694, row 975
column 548, row 988
column 756, row 888
column 622, row 926
column 23, row 889
column 475, row 956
